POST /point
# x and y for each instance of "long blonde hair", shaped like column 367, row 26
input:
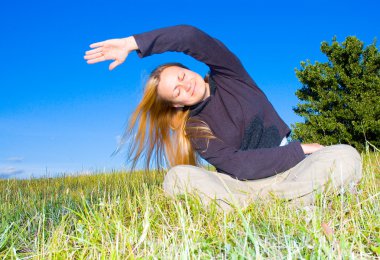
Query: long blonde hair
column 159, row 131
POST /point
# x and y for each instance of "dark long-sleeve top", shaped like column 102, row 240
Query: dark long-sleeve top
column 248, row 130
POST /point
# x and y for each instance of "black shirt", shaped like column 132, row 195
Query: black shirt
column 247, row 127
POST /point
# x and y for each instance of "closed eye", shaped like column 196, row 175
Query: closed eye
column 177, row 91
column 181, row 77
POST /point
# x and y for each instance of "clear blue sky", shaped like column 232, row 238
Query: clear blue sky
column 59, row 114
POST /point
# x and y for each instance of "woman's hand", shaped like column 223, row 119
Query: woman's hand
column 311, row 148
column 113, row 49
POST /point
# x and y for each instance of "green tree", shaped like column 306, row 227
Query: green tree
column 340, row 99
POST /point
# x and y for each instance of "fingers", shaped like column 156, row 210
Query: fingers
column 94, row 51
column 95, row 60
column 93, row 56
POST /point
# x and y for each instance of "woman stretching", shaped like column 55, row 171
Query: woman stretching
column 226, row 119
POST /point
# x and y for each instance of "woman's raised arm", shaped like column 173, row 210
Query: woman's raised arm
column 195, row 43
column 180, row 38
column 113, row 49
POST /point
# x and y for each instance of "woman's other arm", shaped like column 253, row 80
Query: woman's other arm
column 252, row 164
column 248, row 164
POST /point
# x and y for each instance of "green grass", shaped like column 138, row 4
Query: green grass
column 127, row 215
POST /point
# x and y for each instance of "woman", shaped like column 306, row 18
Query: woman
column 227, row 120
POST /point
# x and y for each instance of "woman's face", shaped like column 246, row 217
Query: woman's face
column 182, row 87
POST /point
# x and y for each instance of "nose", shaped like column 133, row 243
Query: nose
column 186, row 86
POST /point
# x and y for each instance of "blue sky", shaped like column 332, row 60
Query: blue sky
column 60, row 115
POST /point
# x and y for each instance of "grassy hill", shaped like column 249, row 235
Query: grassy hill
column 124, row 215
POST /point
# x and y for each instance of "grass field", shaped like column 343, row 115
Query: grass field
column 127, row 216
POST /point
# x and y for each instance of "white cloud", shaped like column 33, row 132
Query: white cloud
column 9, row 172
column 16, row 159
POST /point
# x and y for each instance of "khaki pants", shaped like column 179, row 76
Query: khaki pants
column 327, row 170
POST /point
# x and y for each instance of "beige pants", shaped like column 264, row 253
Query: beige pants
column 330, row 169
